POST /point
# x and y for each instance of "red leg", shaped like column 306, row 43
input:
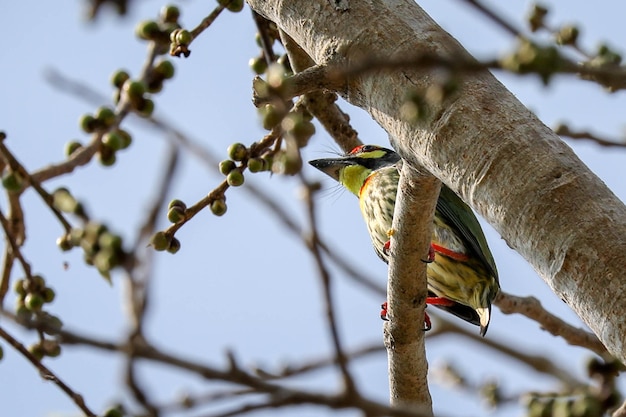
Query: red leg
column 427, row 324
column 383, row 312
column 386, row 247
column 431, row 255
column 457, row 256
column 439, row 301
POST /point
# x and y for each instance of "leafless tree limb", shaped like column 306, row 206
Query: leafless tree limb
column 532, row 308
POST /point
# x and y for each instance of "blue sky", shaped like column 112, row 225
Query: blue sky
column 240, row 282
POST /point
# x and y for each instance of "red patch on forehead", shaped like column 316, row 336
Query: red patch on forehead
column 356, row 150
column 363, row 148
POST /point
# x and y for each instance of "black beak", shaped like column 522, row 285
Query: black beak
column 330, row 166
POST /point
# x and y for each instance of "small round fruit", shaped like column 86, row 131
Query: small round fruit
column 38, row 283
column 237, row 151
column 160, row 241
column 12, row 181
column 145, row 107
column 176, row 214
column 71, row 147
column 258, row 65
column 235, row 178
column 108, row 240
column 51, row 348
column 232, row 5
column 113, row 412
column 113, row 140
column 170, row 13
column 134, row 89
column 107, row 156
column 165, row 69
column 183, row 37
column 18, row 287
column 177, row 203
column 147, row 30
column 88, row 123
column 126, row 138
column 33, row 301
column 105, row 116
column 48, row 294
column 271, row 116
column 174, row 246
column 119, row 77
column 64, row 243
column 226, row 166
column 218, row 207
column 255, row 164
column 37, row 351
column 53, row 324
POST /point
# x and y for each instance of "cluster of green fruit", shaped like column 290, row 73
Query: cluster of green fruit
column 113, row 139
column 102, row 248
column 162, row 241
column 239, row 159
column 32, row 294
column 158, row 31
column 581, row 406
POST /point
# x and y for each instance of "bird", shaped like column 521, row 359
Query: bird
column 461, row 271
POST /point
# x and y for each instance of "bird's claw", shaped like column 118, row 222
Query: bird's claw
column 431, row 255
column 427, row 323
column 386, row 247
column 383, row 312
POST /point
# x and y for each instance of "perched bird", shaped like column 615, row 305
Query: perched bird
column 462, row 276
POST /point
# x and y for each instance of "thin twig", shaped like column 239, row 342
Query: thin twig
column 262, row 25
column 15, row 249
column 207, row 21
column 532, row 308
column 499, row 20
column 46, row 373
column 564, row 130
column 537, row 362
column 47, row 198
column 313, row 244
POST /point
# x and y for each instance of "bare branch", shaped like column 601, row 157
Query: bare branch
column 47, row 374
column 407, row 290
column 531, row 308
column 564, row 130
column 313, row 244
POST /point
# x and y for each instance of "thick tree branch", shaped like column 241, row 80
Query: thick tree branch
column 486, row 146
column 407, row 291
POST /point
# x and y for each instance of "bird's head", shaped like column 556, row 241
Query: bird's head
column 352, row 169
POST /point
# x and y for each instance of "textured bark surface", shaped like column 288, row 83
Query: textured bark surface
column 486, row 146
column 407, row 290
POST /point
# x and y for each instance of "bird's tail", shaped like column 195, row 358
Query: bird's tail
column 484, row 313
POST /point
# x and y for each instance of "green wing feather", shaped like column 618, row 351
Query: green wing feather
column 460, row 215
